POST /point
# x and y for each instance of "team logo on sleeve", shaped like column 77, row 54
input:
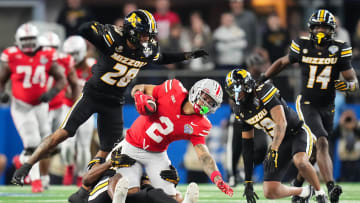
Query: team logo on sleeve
column 333, row 49
column 188, row 129
column 43, row 60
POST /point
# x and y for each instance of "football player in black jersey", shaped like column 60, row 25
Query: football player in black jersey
column 261, row 106
column 321, row 59
column 123, row 51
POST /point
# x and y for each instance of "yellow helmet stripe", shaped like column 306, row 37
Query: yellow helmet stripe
column 322, row 15
column 150, row 16
column 229, row 81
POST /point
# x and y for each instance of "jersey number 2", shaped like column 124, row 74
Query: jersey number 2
column 39, row 76
column 169, row 128
column 120, row 78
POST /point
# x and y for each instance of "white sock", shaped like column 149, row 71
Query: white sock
column 305, row 191
column 319, row 192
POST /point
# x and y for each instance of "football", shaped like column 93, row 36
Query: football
column 153, row 105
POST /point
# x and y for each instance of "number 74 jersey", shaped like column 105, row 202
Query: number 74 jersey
column 320, row 68
column 29, row 74
column 168, row 124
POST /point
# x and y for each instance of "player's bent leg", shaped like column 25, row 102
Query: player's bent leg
column 276, row 190
column 121, row 190
column 192, row 193
column 323, row 159
column 306, row 170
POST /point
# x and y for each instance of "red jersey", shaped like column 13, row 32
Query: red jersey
column 83, row 74
column 168, row 124
column 29, row 74
column 65, row 61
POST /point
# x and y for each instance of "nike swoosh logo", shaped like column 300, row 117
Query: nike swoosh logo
column 192, row 123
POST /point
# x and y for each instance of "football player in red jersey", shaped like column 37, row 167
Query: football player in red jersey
column 57, row 107
column 179, row 115
column 76, row 47
column 29, row 66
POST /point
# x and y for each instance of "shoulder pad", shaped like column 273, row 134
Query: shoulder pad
column 265, row 92
column 305, row 38
column 339, row 41
column 174, row 84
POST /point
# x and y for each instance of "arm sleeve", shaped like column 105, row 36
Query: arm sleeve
column 167, row 58
column 94, row 33
column 345, row 57
column 295, row 51
column 248, row 151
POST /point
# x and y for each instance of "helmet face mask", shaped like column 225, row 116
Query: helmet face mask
column 26, row 38
column 206, row 96
column 322, row 25
column 239, row 84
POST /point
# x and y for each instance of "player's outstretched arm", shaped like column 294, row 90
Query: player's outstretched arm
column 276, row 68
column 167, row 58
column 210, row 168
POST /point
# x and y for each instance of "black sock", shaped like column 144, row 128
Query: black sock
column 298, row 183
column 330, row 185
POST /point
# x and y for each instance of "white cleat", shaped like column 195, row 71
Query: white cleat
column 192, row 193
column 121, row 190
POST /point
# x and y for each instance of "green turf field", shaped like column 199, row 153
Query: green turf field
column 208, row 193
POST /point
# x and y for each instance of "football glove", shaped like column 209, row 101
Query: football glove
column 249, row 192
column 271, row 160
column 345, row 86
column 4, row 97
column 49, row 95
column 196, row 54
column 170, row 175
column 141, row 103
column 20, row 174
column 121, row 160
column 225, row 188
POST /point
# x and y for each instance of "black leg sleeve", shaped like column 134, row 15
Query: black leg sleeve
column 236, row 147
column 248, row 153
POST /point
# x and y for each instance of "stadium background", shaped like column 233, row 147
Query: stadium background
column 44, row 13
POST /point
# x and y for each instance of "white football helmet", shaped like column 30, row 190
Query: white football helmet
column 75, row 46
column 49, row 39
column 209, row 92
column 26, row 38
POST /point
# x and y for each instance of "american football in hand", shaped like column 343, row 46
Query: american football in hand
column 153, row 105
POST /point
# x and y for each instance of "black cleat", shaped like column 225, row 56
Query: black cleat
column 297, row 199
column 335, row 193
column 321, row 199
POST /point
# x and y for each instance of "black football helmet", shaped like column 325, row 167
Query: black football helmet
column 138, row 23
column 326, row 18
column 237, row 81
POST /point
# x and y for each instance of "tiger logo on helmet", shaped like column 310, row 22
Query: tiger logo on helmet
column 325, row 18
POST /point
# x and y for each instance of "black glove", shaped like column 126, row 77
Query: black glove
column 196, row 54
column 80, row 196
column 4, row 97
column 49, row 95
column 121, row 160
column 249, row 192
column 20, row 174
column 271, row 161
column 170, row 175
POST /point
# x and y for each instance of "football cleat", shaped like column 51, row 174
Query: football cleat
column 36, row 186
column 192, row 193
column 232, row 181
column 321, row 199
column 121, row 190
column 335, row 193
column 69, row 175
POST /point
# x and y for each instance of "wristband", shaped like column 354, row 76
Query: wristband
column 215, row 173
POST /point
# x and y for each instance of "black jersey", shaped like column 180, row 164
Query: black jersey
column 256, row 113
column 118, row 64
column 319, row 68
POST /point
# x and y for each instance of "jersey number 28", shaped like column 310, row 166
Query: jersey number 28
column 122, row 77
